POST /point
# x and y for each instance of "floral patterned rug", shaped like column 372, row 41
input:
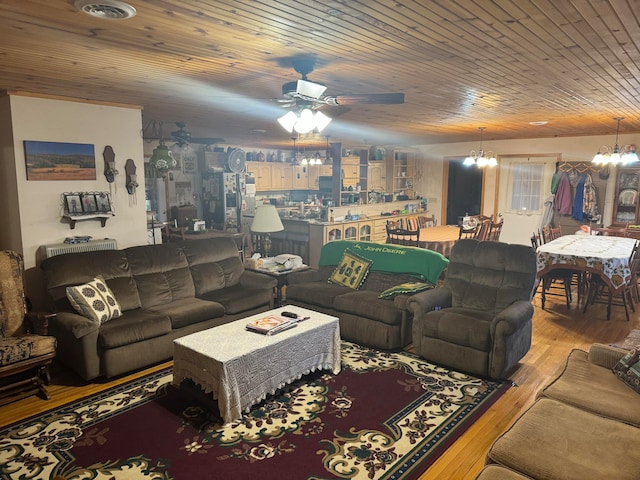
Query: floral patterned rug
column 385, row 416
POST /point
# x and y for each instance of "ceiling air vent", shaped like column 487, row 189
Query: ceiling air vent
column 108, row 9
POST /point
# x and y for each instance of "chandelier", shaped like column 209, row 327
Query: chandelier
column 480, row 158
column 305, row 122
column 608, row 155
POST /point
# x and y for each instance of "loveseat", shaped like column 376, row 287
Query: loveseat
column 161, row 292
column 365, row 318
column 585, row 424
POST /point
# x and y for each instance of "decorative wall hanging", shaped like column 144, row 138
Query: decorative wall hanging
column 59, row 161
column 110, row 167
column 132, row 181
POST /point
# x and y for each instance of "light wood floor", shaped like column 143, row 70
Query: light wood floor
column 555, row 332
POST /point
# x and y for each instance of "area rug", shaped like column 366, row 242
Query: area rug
column 384, row 416
column 632, row 340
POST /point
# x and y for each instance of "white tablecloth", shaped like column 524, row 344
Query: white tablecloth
column 606, row 255
column 241, row 367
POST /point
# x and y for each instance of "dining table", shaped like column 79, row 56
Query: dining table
column 607, row 256
column 439, row 239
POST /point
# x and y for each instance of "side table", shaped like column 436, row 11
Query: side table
column 281, row 277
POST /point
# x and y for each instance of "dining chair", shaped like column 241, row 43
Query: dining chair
column 597, row 286
column 494, row 230
column 483, row 230
column 551, row 279
column 610, row 231
column 425, row 222
column 402, row 236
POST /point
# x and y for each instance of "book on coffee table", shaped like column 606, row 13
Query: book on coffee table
column 272, row 324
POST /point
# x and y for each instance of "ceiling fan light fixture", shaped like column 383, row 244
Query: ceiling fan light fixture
column 288, row 121
column 306, row 122
column 321, row 121
column 310, row 89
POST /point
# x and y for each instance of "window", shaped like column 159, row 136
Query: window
column 526, row 186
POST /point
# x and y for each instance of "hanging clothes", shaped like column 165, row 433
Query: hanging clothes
column 547, row 214
column 577, row 201
column 555, row 180
column 563, row 201
column 590, row 201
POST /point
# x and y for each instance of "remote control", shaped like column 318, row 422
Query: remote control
column 289, row 314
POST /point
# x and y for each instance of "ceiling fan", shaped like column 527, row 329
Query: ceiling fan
column 182, row 137
column 306, row 94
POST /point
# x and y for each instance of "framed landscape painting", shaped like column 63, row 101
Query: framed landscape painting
column 59, row 161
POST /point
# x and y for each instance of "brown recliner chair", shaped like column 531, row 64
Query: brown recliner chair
column 479, row 320
column 25, row 349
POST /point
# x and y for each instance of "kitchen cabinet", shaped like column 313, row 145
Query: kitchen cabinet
column 301, row 176
column 371, row 229
column 350, row 172
column 262, row 173
column 625, row 201
column 281, row 176
column 315, row 171
column 376, row 177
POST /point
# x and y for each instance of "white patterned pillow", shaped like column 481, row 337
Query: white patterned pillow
column 94, row 300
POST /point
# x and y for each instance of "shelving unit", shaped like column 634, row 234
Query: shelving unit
column 625, row 202
column 401, row 167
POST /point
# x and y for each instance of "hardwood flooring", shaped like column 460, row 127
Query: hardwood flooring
column 556, row 331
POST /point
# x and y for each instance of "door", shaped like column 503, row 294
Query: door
column 524, row 185
column 464, row 191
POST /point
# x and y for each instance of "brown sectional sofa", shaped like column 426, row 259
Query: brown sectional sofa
column 164, row 291
column 365, row 318
column 585, row 424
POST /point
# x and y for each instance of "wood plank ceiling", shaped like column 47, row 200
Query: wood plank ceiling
column 461, row 64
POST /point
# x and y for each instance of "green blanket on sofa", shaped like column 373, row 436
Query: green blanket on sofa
column 427, row 264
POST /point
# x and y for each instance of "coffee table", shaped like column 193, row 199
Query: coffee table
column 241, row 367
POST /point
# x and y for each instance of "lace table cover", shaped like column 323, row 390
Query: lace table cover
column 606, row 255
column 241, row 367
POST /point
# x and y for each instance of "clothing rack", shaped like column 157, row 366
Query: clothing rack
column 580, row 167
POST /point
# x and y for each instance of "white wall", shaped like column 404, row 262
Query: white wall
column 39, row 202
column 572, row 149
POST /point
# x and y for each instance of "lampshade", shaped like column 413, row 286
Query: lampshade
column 306, row 122
column 266, row 220
column 162, row 158
column 615, row 155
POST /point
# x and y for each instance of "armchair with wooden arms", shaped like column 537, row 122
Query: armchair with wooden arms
column 479, row 320
column 26, row 351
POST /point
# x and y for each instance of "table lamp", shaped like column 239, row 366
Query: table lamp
column 265, row 221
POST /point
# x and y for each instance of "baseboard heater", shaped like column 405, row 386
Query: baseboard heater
column 90, row 246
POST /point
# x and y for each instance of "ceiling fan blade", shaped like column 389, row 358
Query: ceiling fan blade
column 371, row 98
column 335, row 111
column 206, row 140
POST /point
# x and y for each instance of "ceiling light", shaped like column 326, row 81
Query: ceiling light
column 162, row 158
column 107, row 9
column 480, row 158
column 306, row 122
column 615, row 155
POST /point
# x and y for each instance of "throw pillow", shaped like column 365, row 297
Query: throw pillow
column 94, row 300
column 408, row 288
column 351, row 271
column 628, row 369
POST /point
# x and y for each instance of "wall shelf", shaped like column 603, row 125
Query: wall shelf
column 98, row 216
